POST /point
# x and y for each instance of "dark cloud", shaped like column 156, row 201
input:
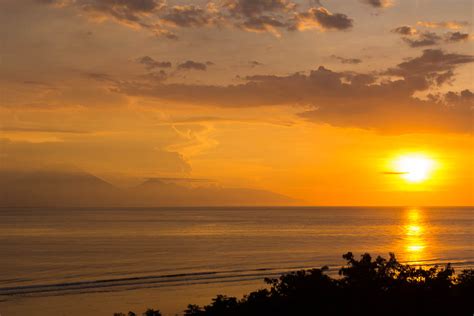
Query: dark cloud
column 464, row 98
column 415, row 38
column 332, row 21
column 456, row 37
column 405, row 30
column 343, row 60
column 189, row 16
column 445, row 77
column 192, row 65
column 262, row 24
column 321, row 17
column 398, row 115
column 126, row 11
column 159, row 18
column 261, row 15
column 378, row 3
column 423, row 39
column 150, row 63
column 256, row 8
column 137, row 14
column 371, row 101
column 432, row 61
column 358, row 79
column 272, row 15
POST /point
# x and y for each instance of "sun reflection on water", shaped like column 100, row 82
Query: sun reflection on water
column 415, row 237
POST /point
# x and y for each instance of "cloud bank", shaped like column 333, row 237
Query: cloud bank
column 415, row 38
column 383, row 101
column 162, row 19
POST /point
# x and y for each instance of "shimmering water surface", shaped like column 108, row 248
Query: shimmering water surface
column 98, row 261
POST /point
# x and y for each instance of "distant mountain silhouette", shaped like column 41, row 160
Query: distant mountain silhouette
column 54, row 188
column 163, row 192
column 78, row 188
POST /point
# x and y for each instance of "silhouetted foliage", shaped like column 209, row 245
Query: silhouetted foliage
column 148, row 312
column 365, row 287
column 152, row 312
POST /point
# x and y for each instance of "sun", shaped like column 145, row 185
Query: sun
column 414, row 167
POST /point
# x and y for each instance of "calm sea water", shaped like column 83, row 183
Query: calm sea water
column 99, row 261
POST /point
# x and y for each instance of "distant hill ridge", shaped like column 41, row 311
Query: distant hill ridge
column 44, row 188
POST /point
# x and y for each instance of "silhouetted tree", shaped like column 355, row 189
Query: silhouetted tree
column 148, row 312
column 364, row 287
column 152, row 312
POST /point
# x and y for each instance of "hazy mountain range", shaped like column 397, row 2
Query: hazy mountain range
column 82, row 189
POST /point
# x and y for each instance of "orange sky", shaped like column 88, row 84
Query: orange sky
column 310, row 99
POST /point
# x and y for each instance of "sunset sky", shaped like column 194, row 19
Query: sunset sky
column 322, row 101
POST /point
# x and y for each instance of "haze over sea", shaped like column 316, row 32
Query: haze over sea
column 98, row 261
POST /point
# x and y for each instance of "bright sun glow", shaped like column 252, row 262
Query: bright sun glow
column 414, row 168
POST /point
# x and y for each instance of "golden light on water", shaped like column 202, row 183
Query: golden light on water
column 414, row 236
column 413, row 230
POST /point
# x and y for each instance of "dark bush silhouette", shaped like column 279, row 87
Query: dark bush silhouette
column 365, row 287
column 148, row 312
column 152, row 312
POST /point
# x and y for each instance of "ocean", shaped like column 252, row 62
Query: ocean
column 98, row 261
